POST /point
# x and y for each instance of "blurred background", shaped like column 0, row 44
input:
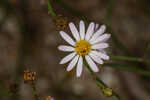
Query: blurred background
column 29, row 39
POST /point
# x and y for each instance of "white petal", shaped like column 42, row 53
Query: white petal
column 74, row 31
column 91, row 64
column 100, row 31
column 96, row 58
column 96, row 26
column 101, row 38
column 72, row 63
column 79, row 67
column 82, row 30
column 67, row 58
column 65, row 48
column 100, row 46
column 101, row 55
column 90, row 31
column 67, row 38
column 102, row 51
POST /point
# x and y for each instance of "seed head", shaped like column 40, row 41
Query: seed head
column 61, row 22
column 29, row 76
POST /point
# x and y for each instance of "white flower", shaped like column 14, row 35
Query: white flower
column 88, row 45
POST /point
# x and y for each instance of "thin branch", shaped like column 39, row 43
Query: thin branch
column 50, row 9
column 100, row 83
column 34, row 91
column 128, row 68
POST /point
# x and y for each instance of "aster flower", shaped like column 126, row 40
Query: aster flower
column 88, row 45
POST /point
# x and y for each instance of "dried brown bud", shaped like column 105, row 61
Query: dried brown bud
column 29, row 76
column 61, row 22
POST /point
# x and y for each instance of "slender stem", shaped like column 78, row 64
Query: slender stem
column 130, row 59
column 100, row 83
column 36, row 97
column 4, row 92
column 128, row 68
column 124, row 58
column 50, row 9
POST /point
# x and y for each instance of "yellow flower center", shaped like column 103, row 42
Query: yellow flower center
column 83, row 47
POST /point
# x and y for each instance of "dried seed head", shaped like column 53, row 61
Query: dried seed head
column 61, row 22
column 29, row 76
column 107, row 92
column 49, row 98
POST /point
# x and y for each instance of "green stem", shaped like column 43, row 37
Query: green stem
column 50, row 9
column 124, row 58
column 128, row 68
column 100, row 83
column 36, row 97
column 4, row 92
column 130, row 59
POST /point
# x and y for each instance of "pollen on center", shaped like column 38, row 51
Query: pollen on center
column 83, row 47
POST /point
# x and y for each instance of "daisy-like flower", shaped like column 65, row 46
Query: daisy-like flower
column 89, row 45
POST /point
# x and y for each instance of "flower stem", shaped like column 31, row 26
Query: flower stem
column 128, row 68
column 124, row 58
column 50, row 9
column 4, row 92
column 34, row 91
column 100, row 83
column 130, row 59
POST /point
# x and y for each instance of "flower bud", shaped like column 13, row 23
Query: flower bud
column 107, row 92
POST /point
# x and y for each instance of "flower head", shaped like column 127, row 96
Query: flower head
column 89, row 45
